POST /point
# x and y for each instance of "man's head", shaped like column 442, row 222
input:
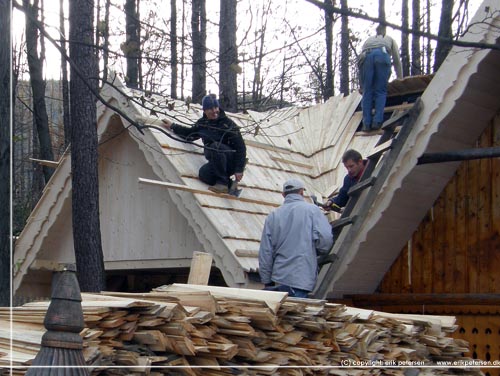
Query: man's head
column 381, row 30
column 353, row 162
column 293, row 186
column 210, row 106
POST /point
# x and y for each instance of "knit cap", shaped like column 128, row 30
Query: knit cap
column 209, row 101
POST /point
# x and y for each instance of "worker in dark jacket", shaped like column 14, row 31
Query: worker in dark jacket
column 224, row 147
column 355, row 165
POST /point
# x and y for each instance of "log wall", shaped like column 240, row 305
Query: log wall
column 456, row 248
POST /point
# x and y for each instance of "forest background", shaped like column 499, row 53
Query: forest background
column 258, row 54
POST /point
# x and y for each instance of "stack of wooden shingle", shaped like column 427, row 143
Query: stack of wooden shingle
column 204, row 330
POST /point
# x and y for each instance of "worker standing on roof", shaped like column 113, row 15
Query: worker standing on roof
column 224, row 147
column 355, row 166
column 292, row 238
column 374, row 72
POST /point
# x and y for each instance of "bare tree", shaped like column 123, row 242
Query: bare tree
column 228, row 56
column 328, row 90
column 84, row 172
column 64, row 78
column 381, row 10
column 103, row 28
column 5, row 108
column 344, row 51
column 416, row 59
column 442, row 47
column 131, row 47
column 173, row 48
column 35, row 63
column 199, row 33
column 405, row 40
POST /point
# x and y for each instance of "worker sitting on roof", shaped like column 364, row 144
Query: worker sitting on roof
column 292, row 238
column 355, row 165
column 224, row 147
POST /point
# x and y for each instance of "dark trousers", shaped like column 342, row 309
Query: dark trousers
column 292, row 291
column 220, row 164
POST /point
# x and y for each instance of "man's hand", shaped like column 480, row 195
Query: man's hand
column 330, row 205
column 167, row 123
column 238, row 176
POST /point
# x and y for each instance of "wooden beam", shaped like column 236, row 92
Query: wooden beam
column 48, row 265
column 44, row 162
column 459, row 155
column 201, row 264
column 278, row 159
column 254, row 253
column 261, row 145
column 379, row 149
column 404, row 106
column 181, row 187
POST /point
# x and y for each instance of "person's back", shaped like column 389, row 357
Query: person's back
column 293, row 236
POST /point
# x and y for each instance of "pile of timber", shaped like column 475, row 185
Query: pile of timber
column 206, row 330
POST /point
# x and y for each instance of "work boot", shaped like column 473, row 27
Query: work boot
column 233, row 186
column 219, row 188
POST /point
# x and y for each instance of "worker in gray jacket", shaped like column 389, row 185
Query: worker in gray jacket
column 292, row 238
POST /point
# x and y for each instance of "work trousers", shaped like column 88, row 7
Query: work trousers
column 376, row 71
column 220, row 165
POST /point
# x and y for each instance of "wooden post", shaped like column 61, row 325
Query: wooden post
column 201, row 264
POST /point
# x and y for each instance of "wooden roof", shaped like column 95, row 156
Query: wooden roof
column 460, row 102
column 304, row 143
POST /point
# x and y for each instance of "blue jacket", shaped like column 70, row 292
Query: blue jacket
column 221, row 130
column 293, row 236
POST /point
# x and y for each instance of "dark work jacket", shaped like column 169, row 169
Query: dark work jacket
column 342, row 198
column 221, row 130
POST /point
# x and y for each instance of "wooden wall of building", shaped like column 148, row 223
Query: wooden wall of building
column 456, row 248
column 451, row 265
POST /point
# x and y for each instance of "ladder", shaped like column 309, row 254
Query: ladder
column 380, row 162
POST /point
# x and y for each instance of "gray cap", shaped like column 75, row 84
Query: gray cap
column 293, row 185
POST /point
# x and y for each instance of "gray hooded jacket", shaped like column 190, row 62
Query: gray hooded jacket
column 293, row 236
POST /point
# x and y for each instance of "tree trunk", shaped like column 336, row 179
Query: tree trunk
column 173, row 48
column 105, row 42
column 344, row 50
column 5, row 137
column 199, row 31
column 381, row 11
column 38, row 87
column 132, row 43
column 428, row 43
column 64, row 79
column 228, row 56
column 442, row 47
column 183, row 47
column 84, row 169
column 405, row 40
column 328, row 88
column 416, row 59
